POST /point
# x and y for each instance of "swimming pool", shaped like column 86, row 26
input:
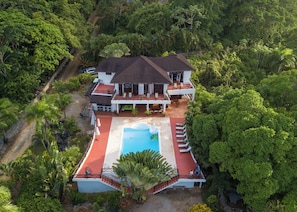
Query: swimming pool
column 139, row 137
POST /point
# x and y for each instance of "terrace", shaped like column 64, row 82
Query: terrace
column 95, row 174
column 106, row 93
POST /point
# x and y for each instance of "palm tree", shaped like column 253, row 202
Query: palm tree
column 61, row 100
column 115, row 50
column 141, row 171
column 54, row 169
column 44, row 112
column 8, row 115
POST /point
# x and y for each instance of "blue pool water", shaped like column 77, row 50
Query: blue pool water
column 137, row 140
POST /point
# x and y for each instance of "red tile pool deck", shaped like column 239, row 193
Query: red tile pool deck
column 94, row 158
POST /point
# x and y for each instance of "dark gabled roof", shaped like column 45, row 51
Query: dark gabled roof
column 101, row 100
column 143, row 69
column 173, row 63
column 113, row 65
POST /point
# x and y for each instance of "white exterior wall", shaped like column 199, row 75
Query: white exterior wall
column 116, row 87
column 92, row 186
column 186, row 184
column 187, row 76
column 165, row 88
column 104, row 78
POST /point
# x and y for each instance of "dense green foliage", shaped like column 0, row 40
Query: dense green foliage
column 141, row 171
column 46, row 183
column 5, row 200
column 242, row 124
column 35, row 37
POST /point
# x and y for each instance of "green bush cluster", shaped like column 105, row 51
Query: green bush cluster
column 37, row 204
column 77, row 198
column 200, row 208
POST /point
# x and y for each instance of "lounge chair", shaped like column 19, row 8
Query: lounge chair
column 184, row 135
column 180, row 124
column 185, row 150
column 180, row 127
column 181, row 131
column 182, row 140
column 183, row 145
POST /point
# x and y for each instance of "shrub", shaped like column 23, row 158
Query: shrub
column 213, row 202
column 73, row 84
column 37, row 204
column 200, row 208
column 134, row 111
column 71, row 125
column 85, row 78
column 77, row 198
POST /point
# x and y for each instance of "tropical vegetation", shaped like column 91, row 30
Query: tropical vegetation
column 140, row 171
column 242, row 124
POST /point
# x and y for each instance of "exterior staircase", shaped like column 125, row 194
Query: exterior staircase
column 156, row 189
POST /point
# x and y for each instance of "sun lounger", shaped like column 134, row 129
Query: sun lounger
column 185, row 150
column 182, row 140
column 181, row 131
column 180, row 124
column 183, row 145
column 180, row 127
column 181, row 135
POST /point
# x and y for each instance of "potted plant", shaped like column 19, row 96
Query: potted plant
column 164, row 113
column 148, row 112
column 134, row 111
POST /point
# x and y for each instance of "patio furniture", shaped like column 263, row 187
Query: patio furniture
column 180, row 124
column 180, row 127
column 127, row 107
column 181, row 131
column 182, row 140
column 184, row 135
column 183, row 145
column 156, row 108
column 185, row 150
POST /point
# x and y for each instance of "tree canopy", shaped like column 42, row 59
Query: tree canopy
column 251, row 142
column 142, row 170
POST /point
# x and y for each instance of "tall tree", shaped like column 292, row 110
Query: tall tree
column 254, row 146
column 253, row 20
column 142, row 170
column 44, row 112
column 54, row 169
column 8, row 115
column 115, row 50
column 280, row 89
column 61, row 100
